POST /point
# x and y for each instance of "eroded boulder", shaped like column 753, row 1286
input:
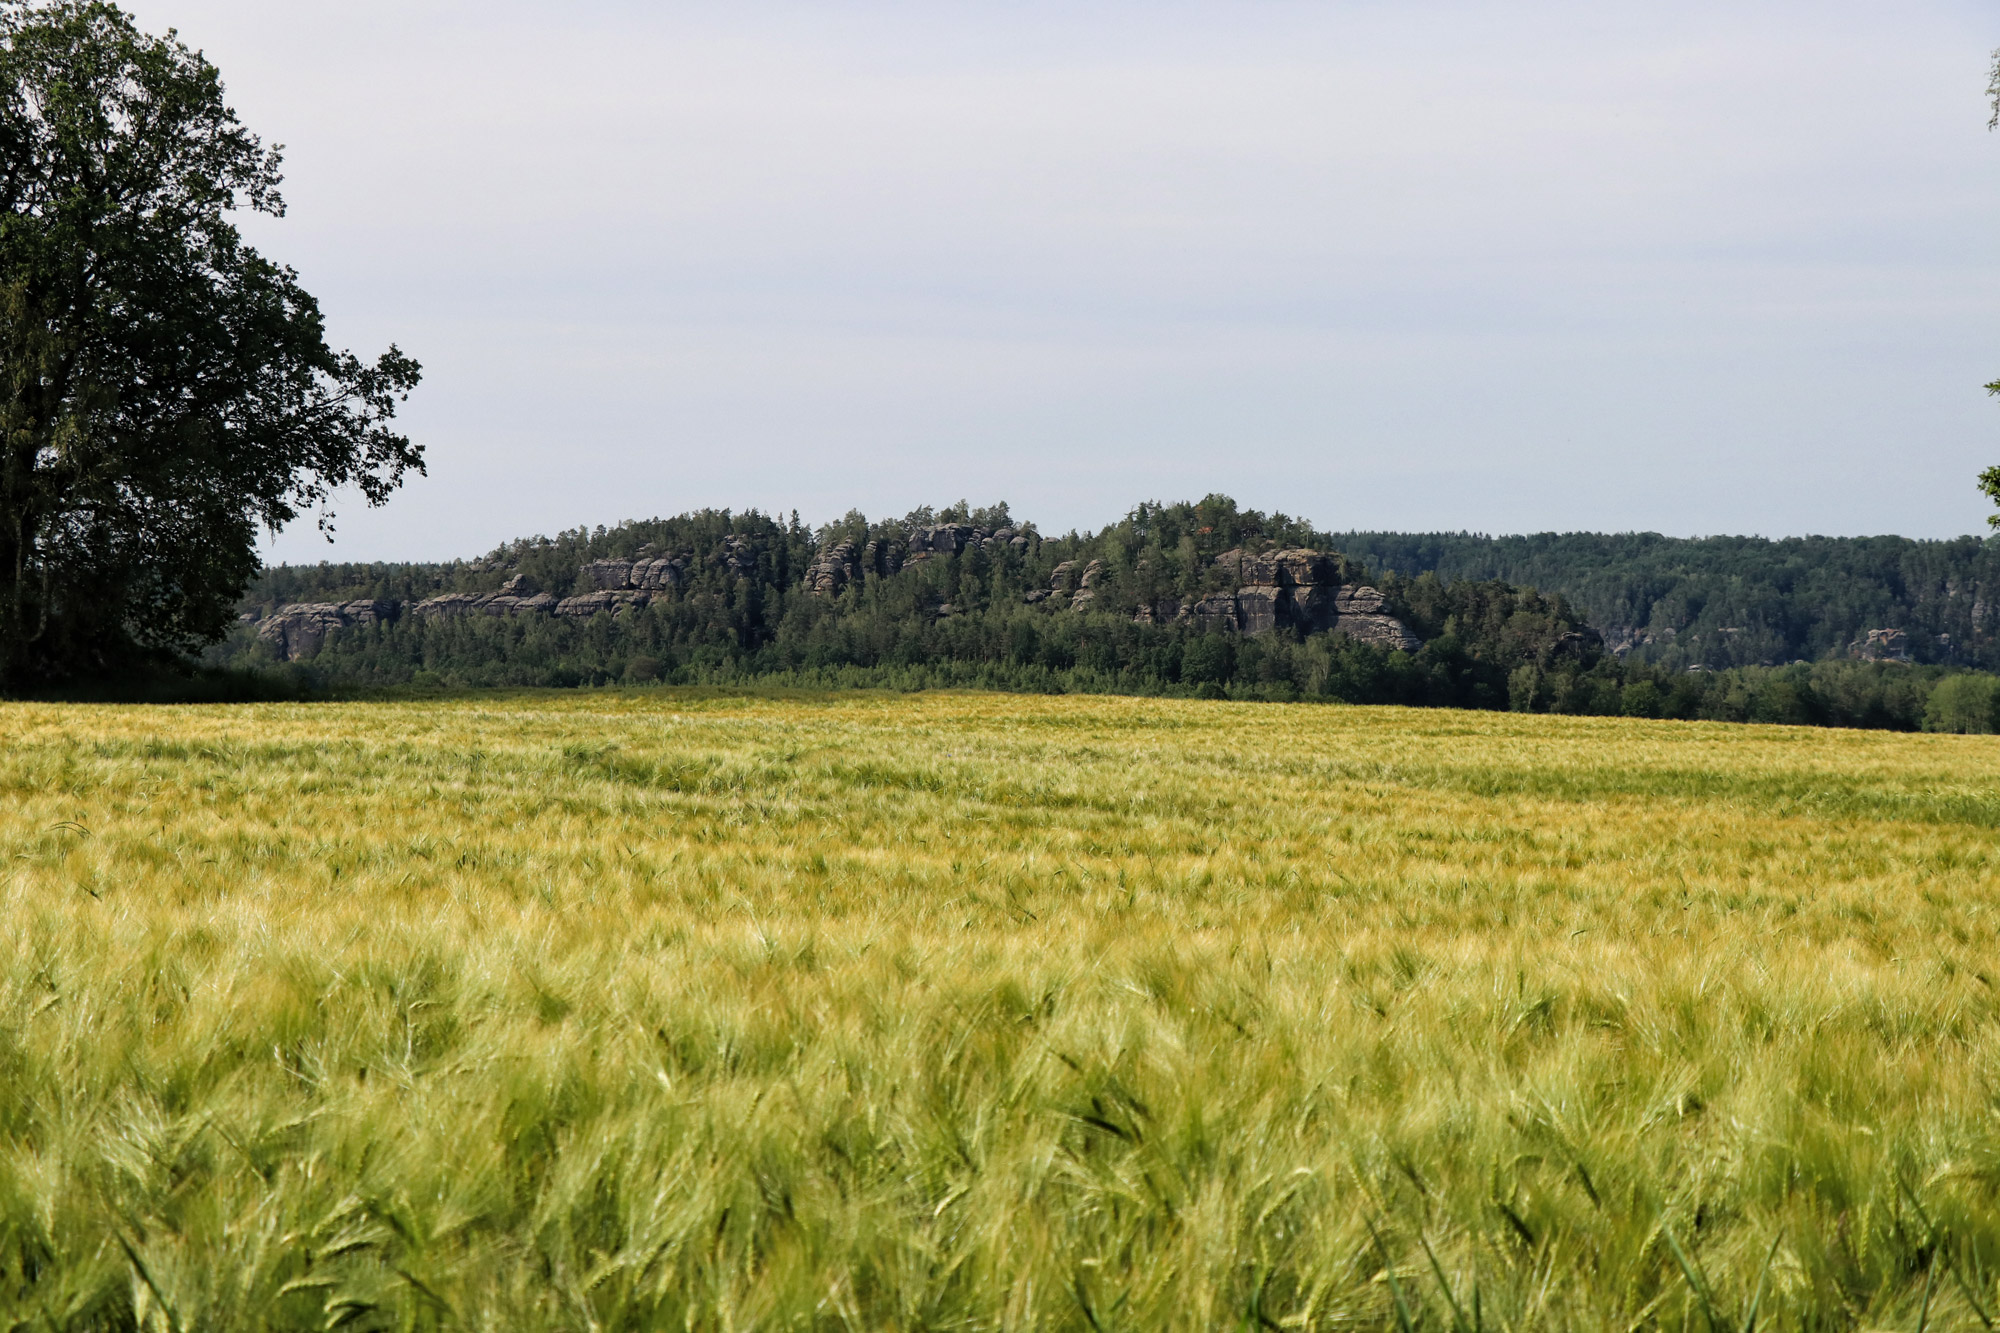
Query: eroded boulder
column 1362, row 615
column 1259, row 608
column 584, row 605
column 300, row 629
column 1881, row 645
column 1294, row 566
column 1380, row 630
column 837, row 566
column 1296, row 589
column 646, row 574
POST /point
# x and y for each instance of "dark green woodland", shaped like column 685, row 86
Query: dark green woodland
column 1206, row 599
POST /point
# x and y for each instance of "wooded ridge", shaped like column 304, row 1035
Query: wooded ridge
column 1205, row 598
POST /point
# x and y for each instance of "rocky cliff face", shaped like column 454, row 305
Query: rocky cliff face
column 957, row 538
column 1359, row 613
column 517, row 595
column 654, row 574
column 1881, row 645
column 837, row 566
column 298, row 630
column 617, row 585
column 842, row 563
column 1295, row 589
column 1621, row 640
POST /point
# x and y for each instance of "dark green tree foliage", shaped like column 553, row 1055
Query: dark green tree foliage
column 1733, row 601
column 965, row 621
column 164, row 389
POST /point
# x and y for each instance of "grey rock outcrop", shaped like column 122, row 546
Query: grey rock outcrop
column 516, row 596
column 656, row 574
column 1881, row 645
column 1085, row 595
column 615, row 585
column 739, row 556
column 1361, row 613
column 1215, row 612
column 1259, row 607
column 587, row 604
column 1382, row 631
column 838, row 565
column 882, row 557
column 448, row 604
column 299, row 629
column 944, row 539
column 1293, row 588
column 1621, row 640
column 1293, row 567
column 948, row 539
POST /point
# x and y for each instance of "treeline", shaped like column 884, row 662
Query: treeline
column 1734, row 601
column 745, row 612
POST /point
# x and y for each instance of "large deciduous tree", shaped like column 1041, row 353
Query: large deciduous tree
column 165, row 390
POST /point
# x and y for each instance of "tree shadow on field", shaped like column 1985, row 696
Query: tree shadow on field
column 289, row 683
column 201, row 685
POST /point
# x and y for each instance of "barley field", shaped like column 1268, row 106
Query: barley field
column 602, row 1011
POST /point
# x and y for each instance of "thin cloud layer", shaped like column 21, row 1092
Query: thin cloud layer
column 1503, row 267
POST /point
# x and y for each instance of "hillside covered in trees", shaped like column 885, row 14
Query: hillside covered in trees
column 1207, row 599
column 1733, row 601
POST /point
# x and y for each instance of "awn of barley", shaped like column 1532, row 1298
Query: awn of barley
column 673, row 1009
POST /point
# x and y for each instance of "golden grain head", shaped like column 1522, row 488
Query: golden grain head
column 986, row 1012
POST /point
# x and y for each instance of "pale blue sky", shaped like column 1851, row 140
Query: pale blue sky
column 1696, row 268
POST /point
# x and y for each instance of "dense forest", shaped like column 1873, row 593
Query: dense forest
column 1205, row 599
column 1733, row 601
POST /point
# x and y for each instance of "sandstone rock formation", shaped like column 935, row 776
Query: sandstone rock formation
column 929, row 543
column 298, row 630
column 1292, row 588
column 656, row 574
column 1621, row 640
column 517, row 595
column 882, row 557
column 1295, row 589
column 841, row 563
column 617, row 585
column 739, row 555
column 956, row 538
column 1360, row 614
column 1881, row 645
column 1215, row 613
column 613, row 584
column 838, row 565
column 587, row 604
column 1086, row 590
column 1297, row 566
